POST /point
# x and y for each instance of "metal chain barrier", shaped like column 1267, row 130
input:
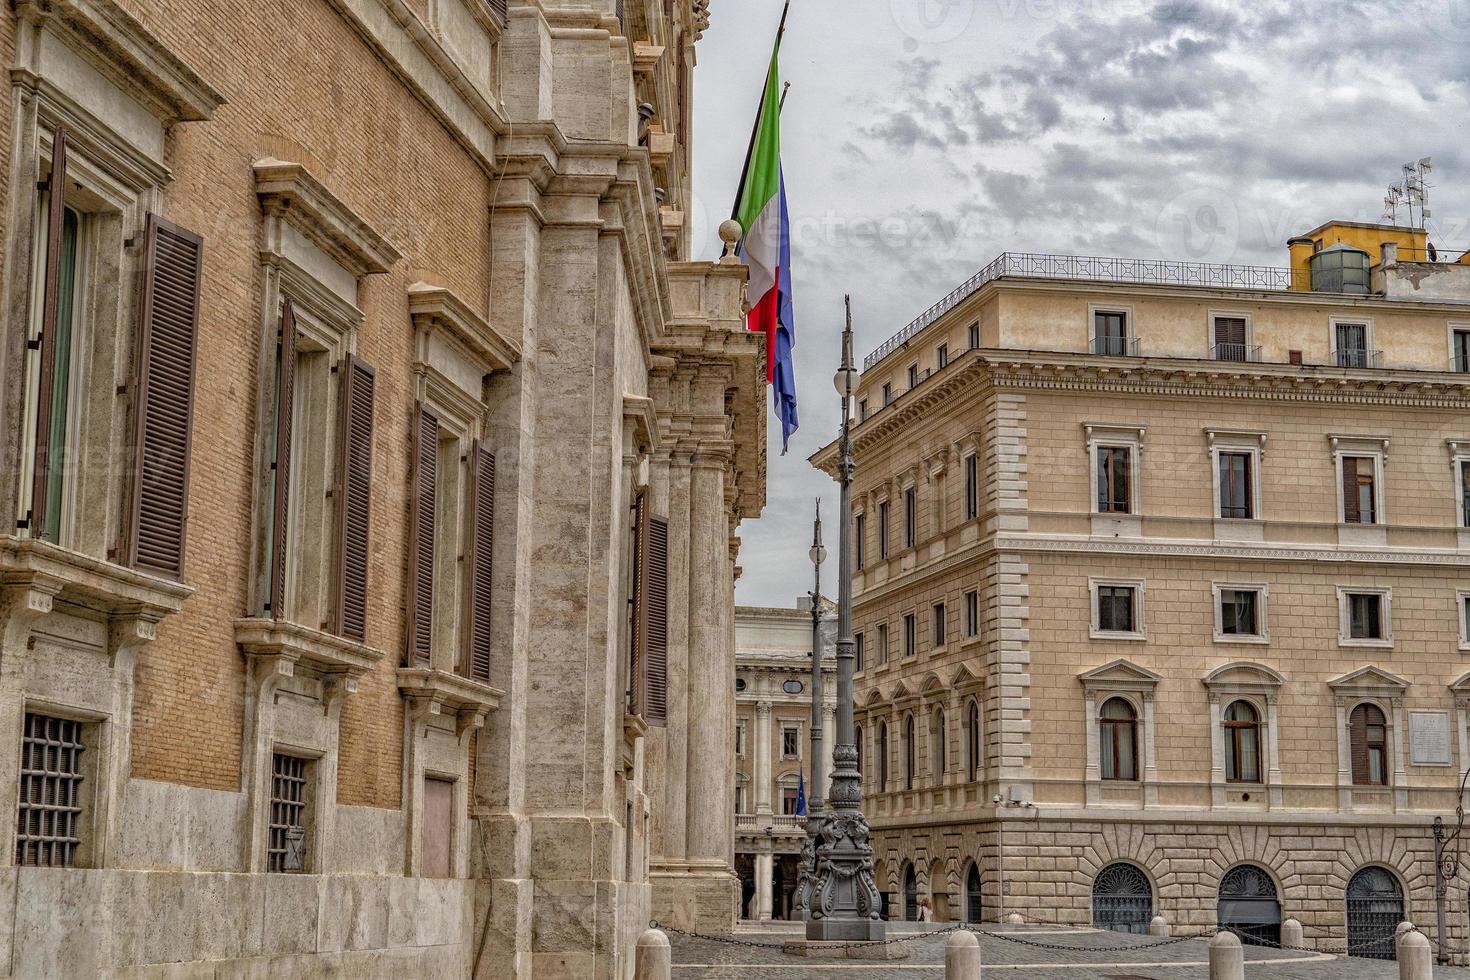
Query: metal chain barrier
column 1346, row 950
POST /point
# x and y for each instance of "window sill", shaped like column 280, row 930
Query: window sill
column 290, row 643
column 1098, row 634
column 1239, row 638
column 1372, row 644
column 456, row 693
column 88, row 582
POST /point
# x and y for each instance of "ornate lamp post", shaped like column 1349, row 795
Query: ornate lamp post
column 845, row 902
column 818, row 555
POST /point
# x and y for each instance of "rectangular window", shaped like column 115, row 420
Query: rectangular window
column 910, row 517
column 1110, row 333
column 913, row 376
column 1230, row 339
column 287, row 848
column 1352, row 345
column 941, row 356
column 52, row 397
column 1235, row 485
column 1461, row 351
column 1365, row 616
column 972, row 613
column 859, row 658
column 1359, row 501
column 940, row 633
column 1465, row 493
column 1114, row 480
column 887, row 393
column 1115, row 609
column 1239, row 612
column 790, row 743
column 1465, row 619
column 972, row 487
column 910, row 635
column 883, row 529
column 862, row 410
column 883, row 643
column 974, row 336
column 48, row 820
column 859, row 532
column 788, row 801
column 740, row 740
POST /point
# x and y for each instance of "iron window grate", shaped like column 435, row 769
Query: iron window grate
column 288, row 815
column 49, row 813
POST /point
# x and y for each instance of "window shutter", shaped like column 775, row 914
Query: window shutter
column 481, row 546
column 637, row 676
column 50, row 299
column 498, row 8
column 1350, row 513
column 354, row 491
column 421, row 531
column 656, row 621
column 1358, row 740
column 285, row 392
column 163, row 407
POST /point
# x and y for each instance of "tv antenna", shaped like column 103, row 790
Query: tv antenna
column 1410, row 191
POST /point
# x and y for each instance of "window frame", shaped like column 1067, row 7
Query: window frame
column 941, row 357
column 1263, row 629
column 972, row 336
column 1385, row 616
column 887, row 393
column 1386, row 746
column 972, row 614
column 1140, row 629
column 859, row 652
column 1459, row 452
column 1130, row 332
column 1231, row 733
column 882, row 644
column 939, row 625
column 970, row 465
column 1134, row 724
column 1101, row 436
column 1214, row 315
column 1361, row 447
column 1366, row 322
column 1453, row 328
column 859, row 535
column 884, row 513
column 974, row 740
column 1222, row 442
column 913, row 375
column 910, row 635
column 910, row 516
column 793, row 729
column 1462, row 606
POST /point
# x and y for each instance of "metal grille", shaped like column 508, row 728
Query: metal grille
column 288, row 814
column 48, row 817
column 1248, row 906
column 1122, row 899
column 1375, row 907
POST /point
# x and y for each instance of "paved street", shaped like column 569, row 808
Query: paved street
column 1087, row 955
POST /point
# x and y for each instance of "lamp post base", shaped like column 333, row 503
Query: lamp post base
column 846, row 930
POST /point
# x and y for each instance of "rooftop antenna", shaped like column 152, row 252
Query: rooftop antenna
column 1410, row 190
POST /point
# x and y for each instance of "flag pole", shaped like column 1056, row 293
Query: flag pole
column 786, row 88
column 756, row 126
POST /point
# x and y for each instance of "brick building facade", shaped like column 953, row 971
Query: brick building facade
column 1162, row 594
column 369, row 440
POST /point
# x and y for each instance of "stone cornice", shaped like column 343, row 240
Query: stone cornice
column 434, row 307
column 123, row 50
column 287, row 644
column 88, row 582
column 290, row 191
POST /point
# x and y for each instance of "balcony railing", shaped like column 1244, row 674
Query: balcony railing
column 1115, row 346
column 1038, row 265
column 760, row 821
column 1357, row 357
column 1235, row 352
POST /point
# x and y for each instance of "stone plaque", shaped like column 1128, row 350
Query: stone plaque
column 1429, row 738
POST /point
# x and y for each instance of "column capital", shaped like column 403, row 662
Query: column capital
column 763, row 707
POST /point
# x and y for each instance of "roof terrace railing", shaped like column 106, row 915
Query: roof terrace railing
column 1039, row 265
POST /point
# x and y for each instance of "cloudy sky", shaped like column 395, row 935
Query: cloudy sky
column 923, row 137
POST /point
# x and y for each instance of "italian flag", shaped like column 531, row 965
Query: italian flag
column 766, row 249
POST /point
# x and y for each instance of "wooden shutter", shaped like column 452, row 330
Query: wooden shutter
column 1350, row 511
column 637, row 678
column 656, row 620
column 353, row 493
column 478, row 563
column 50, row 301
column 280, row 507
column 421, row 536
column 163, row 408
column 1358, row 741
column 497, row 7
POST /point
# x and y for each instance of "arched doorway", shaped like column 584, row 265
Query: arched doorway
column 1248, row 906
column 939, row 891
column 1375, row 907
column 910, row 894
column 974, row 907
column 1122, row 899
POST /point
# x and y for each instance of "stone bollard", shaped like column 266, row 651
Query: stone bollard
column 962, row 956
column 1227, row 959
column 1400, row 929
column 1159, row 927
column 1291, row 933
column 1416, row 959
column 654, row 959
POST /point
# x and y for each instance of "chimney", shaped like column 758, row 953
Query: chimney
column 1388, row 253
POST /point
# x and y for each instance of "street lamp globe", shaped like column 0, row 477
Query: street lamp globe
column 818, row 555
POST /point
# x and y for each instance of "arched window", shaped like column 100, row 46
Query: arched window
column 908, row 752
column 1375, row 907
column 1242, row 743
column 972, row 742
column 858, row 744
column 1122, row 899
column 1118, row 739
column 974, row 908
column 940, row 734
column 882, row 756
column 1248, row 906
column 1368, row 735
column 910, row 894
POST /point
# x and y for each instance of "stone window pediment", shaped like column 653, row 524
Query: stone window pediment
column 1118, row 675
column 1244, row 677
column 1369, row 681
column 454, row 340
column 301, row 203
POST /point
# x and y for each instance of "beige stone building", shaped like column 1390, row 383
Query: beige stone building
column 1162, row 589
column 773, row 760
column 372, row 459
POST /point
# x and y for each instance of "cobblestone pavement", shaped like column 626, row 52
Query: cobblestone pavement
column 1088, row 955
